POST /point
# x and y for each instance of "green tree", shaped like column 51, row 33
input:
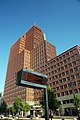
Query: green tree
column 17, row 105
column 3, row 107
column 13, row 108
column 26, row 107
column 53, row 103
column 77, row 102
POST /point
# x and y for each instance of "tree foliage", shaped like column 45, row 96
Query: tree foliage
column 77, row 102
column 52, row 100
column 53, row 103
column 3, row 107
column 19, row 105
column 26, row 107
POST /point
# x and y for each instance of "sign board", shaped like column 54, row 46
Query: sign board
column 32, row 79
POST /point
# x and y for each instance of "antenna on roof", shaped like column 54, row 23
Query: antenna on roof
column 34, row 23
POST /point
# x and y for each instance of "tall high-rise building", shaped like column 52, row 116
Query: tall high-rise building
column 33, row 51
column 30, row 51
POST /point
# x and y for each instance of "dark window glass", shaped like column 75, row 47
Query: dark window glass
column 63, row 74
column 60, row 58
column 64, row 79
column 53, row 77
column 67, row 72
column 54, row 61
column 66, row 66
column 72, row 57
column 57, row 59
column 61, row 87
column 76, row 91
column 52, row 72
column 70, row 84
column 77, row 75
column 57, row 88
column 67, row 54
column 79, row 68
column 65, row 86
column 74, row 83
column 68, row 59
column 72, row 76
column 58, row 64
column 60, row 81
column 70, row 91
column 64, row 102
column 74, row 63
column 71, row 70
column 76, row 55
column 71, row 101
column 58, row 94
column 53, row 83
column 62, row 93
column 56, row 76
column 54, row 66
column 64, row 56
column 70, row 64
column 68, row 78
column 59, row 70
column 67, row 101
column 79, row 82
column 56, row 82
column 75, row 69
column 62, row 68
column 55, row 71
column 66, row 93
column 61, row 63
column 59, row 75
column 51, row 67
column 64, row 61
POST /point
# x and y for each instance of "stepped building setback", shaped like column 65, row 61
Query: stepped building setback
column 33, row 51
column 30, row 51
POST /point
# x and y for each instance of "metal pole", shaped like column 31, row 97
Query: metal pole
column 46, row 104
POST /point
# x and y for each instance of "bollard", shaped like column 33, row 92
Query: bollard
column 62, row 118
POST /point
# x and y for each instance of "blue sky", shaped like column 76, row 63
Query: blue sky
column 59, row 20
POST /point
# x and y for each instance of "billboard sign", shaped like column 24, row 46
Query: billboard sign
column 32, row 79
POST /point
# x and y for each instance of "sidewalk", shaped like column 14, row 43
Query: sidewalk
column 54, row 118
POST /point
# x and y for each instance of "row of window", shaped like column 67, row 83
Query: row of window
column 68, row 92
column 71, row 84
column 61, row 68
column 65, row 66
column 63, row 74
column 62, row 59
column 50, row 73
column 63, row 80
column 67, row 101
